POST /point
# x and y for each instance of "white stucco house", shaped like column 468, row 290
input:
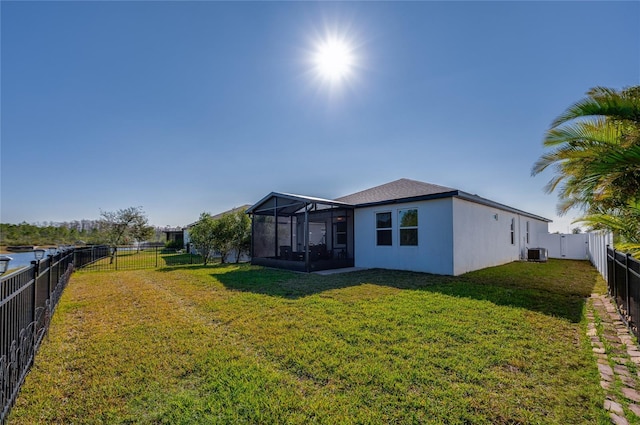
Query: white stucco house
column 404, row 224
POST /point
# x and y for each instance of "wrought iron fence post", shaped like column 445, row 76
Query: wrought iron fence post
column 36, row 273
column 626, row 282
column 51, row 259
column 606, row 257
column 156, row 256
column 614, row 267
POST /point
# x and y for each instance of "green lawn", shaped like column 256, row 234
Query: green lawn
column 242, row 344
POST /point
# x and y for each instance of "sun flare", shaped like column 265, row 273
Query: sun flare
column 333, row 60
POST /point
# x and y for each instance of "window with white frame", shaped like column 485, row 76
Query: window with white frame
column 513, row 231
column 383, row 229
column 408, row 220
column 527, row 231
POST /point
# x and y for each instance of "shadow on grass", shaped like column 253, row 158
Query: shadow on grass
column 180, row 259
column 213, row 265
column 556, row 288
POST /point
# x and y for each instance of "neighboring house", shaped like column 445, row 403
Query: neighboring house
column 404, row 224
column 231, row 257
column 175, row 235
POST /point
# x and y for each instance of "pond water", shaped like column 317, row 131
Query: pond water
column 20, row 259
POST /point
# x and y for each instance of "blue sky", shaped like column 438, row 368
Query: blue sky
column 185, row 107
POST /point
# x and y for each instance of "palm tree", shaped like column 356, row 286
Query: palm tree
column 595, row 150
column 625, row 224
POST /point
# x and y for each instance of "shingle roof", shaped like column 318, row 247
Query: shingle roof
column 406, row 190
column 399, row 189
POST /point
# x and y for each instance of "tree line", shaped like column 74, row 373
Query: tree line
column 229, row 233
column 594, row 151
column 113, row 228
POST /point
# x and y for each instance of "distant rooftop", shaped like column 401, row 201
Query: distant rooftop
column 242, row 208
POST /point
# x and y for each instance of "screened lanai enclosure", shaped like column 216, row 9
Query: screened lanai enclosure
column 301, row 233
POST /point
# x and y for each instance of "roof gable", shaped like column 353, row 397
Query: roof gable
column 396, row 190
column 288, row 203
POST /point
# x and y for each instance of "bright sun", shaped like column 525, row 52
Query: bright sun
column 334, row 60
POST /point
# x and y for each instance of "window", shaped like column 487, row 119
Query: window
column 513, row 231
column 383, row 228
column 408, row 220
column 527, row 232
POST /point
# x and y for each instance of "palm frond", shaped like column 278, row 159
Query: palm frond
column 584, row 133
column 606, row 102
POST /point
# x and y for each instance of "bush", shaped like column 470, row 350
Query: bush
column 174, row 244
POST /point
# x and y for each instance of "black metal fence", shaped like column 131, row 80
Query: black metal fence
column 130, row 257
column 623, row 279
column 28, row 298
column 86, row 256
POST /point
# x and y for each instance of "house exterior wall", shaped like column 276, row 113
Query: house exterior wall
column 434, row 252
column 482, row 236
column 185, row 237
column 537, row 228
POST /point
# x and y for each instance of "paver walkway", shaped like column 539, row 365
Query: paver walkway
column 618, row 359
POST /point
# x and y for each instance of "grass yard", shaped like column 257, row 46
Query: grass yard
column 242, row 344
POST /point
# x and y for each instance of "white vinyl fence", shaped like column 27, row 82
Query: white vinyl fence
column 598, row 242
column 582, row 246
column 565, row 246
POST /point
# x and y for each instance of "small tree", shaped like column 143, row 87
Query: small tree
column 203, row 236
column 123, row 225
column 233, row 234
column 230, row 232
column 140, row 232
column 241, row 242
column 118, row 226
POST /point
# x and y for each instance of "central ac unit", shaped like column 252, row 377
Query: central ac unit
column 537, row 254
